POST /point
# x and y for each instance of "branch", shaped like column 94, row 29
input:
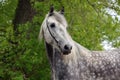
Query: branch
column 96, row 10
column 93, row 6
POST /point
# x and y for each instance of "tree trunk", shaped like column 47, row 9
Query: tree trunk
column 24, row 13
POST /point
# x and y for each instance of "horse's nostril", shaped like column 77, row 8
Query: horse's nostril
column 67, row 47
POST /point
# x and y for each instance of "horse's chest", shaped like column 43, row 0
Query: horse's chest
column 66, row 72
column 70, row 71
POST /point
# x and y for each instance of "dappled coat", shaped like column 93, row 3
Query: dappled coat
column 94, row 65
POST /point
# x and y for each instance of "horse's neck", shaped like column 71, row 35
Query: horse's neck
column 49, row 50
column 64, row 65
column 52, row 53
column 82, row 51
column 78, row 52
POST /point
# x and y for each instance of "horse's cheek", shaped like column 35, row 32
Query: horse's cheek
column 48, row 38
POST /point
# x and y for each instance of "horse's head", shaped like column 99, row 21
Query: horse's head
column 54, row 31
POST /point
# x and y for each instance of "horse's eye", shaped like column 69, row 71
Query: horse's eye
column 52, row 25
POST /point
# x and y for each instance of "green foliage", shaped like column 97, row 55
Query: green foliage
column 23, row 57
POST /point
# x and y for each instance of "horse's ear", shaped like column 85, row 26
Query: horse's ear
column 51, row 10
column 62, row 10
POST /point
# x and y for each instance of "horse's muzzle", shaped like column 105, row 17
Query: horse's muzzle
column 67, row 49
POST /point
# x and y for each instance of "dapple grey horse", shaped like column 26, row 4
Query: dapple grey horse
column 71, row 61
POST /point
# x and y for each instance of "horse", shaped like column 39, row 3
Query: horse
column 70, row 60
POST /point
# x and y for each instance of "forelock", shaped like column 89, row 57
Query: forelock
column 60, row 18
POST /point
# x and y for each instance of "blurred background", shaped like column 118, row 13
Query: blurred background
column 95, row 24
